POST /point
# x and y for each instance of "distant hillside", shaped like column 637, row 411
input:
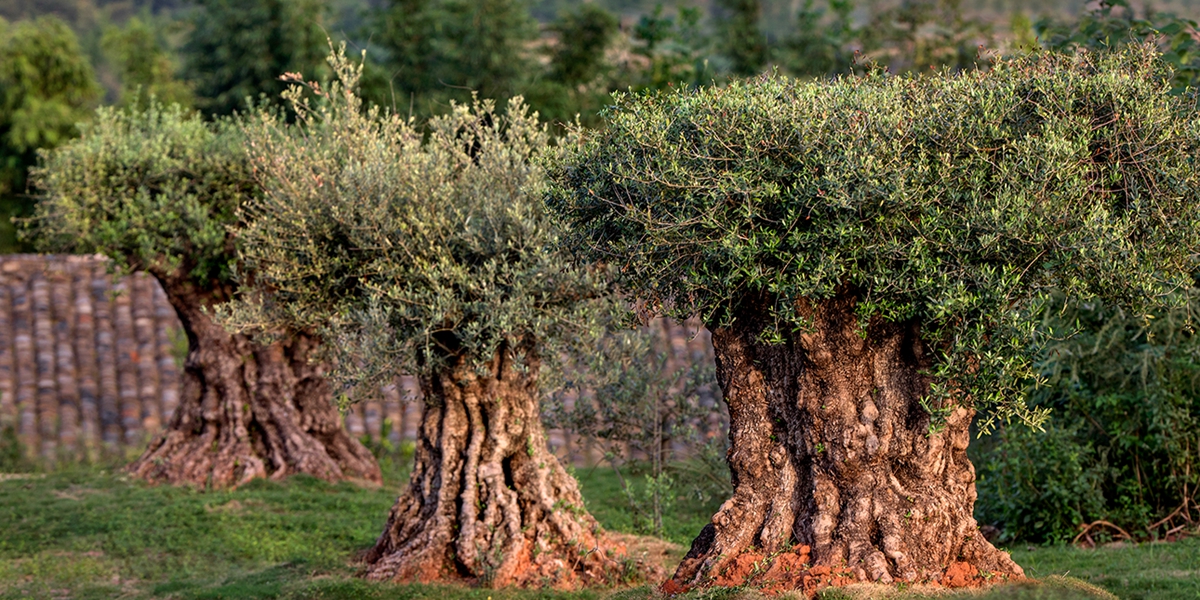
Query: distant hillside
column 85, row 14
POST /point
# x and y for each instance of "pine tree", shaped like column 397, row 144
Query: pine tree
column 238, row 49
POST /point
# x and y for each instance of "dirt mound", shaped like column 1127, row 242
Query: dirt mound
column 961, row 574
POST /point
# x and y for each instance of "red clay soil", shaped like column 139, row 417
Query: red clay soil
column 792, row 571
column 961, row 574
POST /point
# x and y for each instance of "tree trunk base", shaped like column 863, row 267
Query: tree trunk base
column 837, row 476
column 794, row 570
column 487, row 504
column 248, row 411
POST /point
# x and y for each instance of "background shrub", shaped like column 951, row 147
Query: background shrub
column 1121, row 443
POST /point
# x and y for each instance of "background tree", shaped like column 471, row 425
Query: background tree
column 1113, row 24
column 675, row 48
column 926, row 34
column 628, row 394
column 579, row 76
column 1120, row 443
column 143, row 65
column 407, row 32
column 46, row 87
column 860, row 250
column 238, row 49
column 820, row 45
column 438, row 50
column 157, row 190
column 583, row 36
column 435, row 259
column 742, row 41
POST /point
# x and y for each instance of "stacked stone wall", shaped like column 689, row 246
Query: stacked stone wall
column 90, row 365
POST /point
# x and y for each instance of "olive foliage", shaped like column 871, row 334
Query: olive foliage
column 407, row 248
column 153, row 189
column 1113, row 24
column 951, row 200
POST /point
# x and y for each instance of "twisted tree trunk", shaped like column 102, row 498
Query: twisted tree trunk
column 247, row 410
column 487, row 503
column 837, row 477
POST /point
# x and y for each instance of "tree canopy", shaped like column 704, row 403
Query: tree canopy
column 950, row 200
column 153, row 189
column 407, row 251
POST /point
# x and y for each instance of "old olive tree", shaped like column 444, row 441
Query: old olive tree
column 864, row 250
column 156, row 190
column 429, row 252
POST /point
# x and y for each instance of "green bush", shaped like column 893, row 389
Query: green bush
column 1121, row 445
column 1040, row 485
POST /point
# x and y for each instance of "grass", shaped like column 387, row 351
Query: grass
column 1133, row 572
column 92, row 533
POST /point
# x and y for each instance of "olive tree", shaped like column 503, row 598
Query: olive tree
column 156, row 190
column 863, row 250
column 433, row 258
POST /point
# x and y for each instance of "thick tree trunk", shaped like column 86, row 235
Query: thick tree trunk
column 247, row 410
column 487, row 503
column 836, row 475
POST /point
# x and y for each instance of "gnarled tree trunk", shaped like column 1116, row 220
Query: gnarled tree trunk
column 247, row 410
column 836, row 475
column 487, row 503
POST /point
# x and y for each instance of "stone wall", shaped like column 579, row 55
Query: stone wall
column 90, row 365
column 88, row 362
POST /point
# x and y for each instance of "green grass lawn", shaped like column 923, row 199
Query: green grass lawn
column 1142, row 572
column 92, row 533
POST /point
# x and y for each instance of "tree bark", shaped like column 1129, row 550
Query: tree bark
column 837, row 477
column 247, row 410
column 487, row 503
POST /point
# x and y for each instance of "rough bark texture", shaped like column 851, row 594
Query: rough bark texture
column 834, row 470
column 247, row 410
column 487, row 503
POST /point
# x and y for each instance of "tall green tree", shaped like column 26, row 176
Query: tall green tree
column 584, row 34
column 676, row 48
column 156, row 189
column 407, row 30
column 145, row 67
column 435, row 258
column 438, row 50
column 579, row 78
column 862, row 250
column 239, row 49
column 47, row 86
column 821, row 43
column 742, row 40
